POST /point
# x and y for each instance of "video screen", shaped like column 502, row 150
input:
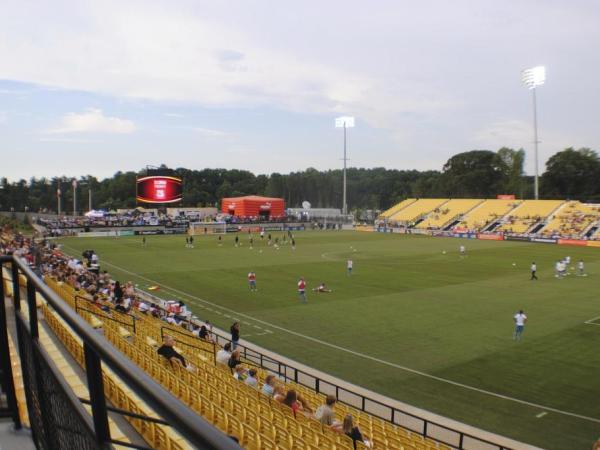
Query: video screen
column 159, row 189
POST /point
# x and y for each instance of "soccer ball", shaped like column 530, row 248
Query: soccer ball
column 514, row 264
column 443, row 252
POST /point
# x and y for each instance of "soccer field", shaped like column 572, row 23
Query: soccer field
column 411, row 303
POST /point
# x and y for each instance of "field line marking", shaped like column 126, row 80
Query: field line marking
column 368, row 357
column 592, row 321
column 542, row 414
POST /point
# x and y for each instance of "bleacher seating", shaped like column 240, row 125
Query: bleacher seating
column 487, row 212
column 397, row 207
column 417, row 209
column 235, row 408
column 572, row 219
column 529, row 213
column 450, row 210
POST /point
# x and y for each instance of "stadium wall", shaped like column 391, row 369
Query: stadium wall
column 482, row 236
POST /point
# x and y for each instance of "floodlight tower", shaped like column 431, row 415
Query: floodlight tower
column 344, row 122
column 532, row 78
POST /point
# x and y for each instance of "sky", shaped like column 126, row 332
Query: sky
column 94, row 87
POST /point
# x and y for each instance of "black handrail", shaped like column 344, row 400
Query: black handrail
column 194, row 428
column 284, row 368
column 171, row 330
column 107, row 316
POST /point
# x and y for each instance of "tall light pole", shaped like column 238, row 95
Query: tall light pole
column 344, row 122
column 532, row 78
column 74, row 198
column 58, row 197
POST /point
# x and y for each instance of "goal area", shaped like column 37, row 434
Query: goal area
column 198, row 228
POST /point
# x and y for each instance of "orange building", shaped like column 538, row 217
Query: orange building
column 253, row 206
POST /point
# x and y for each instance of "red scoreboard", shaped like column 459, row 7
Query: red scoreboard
column 159, row 189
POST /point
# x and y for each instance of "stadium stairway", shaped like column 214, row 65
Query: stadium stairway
column 449, row 212
column 235, row 408
column 572, row 219
column 528, row 214
column 396, row 208
column 417, row 210
column 486, row 213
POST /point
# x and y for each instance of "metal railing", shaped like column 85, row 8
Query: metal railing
column 58, row 419
column 103, row 314
column 288, row 371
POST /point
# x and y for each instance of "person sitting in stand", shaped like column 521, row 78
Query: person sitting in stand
column 240, row 373
column 224, row 354
column 269, row 387
column 297, row 403
column 251, row 379
column 353, row 432
column 204, row 334
column 234, row 360
column 172, row 355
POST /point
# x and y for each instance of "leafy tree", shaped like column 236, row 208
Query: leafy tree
column 572, row 174
column 478, row 173
column 513, row 161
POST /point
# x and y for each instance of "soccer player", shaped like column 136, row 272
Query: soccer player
column 520, row 321
column 557, row 269
column 302, row 290
column 143, row 241
column 237, row 240
column 262, row 234
column 463, row 251
column 220, row 240
column 581, row 268
column 191, row 241
column 187, row 242
column 321, row 288
column 252, row 281
column 349, row 265
column 251, row 242
column 533, row 271
column 293, row 244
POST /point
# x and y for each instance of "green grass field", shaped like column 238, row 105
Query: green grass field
column 409, row 305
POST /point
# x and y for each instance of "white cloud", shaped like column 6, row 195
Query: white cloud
column 67, row 140
column 210, row 133
column 92, row 121
column 145, row 50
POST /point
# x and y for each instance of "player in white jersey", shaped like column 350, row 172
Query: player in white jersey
column 557, row 269
column 349, row 265
column 520, row 320
column 580, row 268
column 533, row 271
column 463, row 251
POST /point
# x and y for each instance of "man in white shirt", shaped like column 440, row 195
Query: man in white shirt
column 349, row 265
column 251, row 379
column 533, row 271
column 520, row 321
column 581, row 268
column 463, row 251
column 224, row 354
column 557, row 269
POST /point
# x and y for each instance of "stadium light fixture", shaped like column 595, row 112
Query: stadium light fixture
column 532, row 78
column 344, row 122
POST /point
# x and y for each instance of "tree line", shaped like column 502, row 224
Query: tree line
column 571, row 173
